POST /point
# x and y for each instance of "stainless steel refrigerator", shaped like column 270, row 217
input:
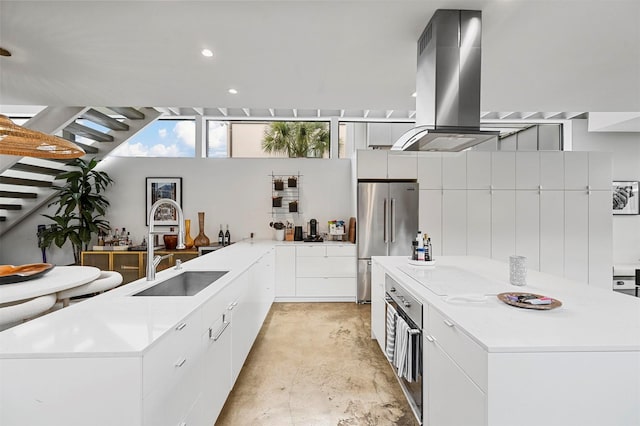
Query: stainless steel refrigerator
column 387, row 223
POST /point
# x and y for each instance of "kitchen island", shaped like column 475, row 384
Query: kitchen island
column 488, row 363
column 120, row 359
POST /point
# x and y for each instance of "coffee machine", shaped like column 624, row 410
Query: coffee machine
column 313, row 235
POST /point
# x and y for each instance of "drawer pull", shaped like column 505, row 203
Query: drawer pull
column 221, row 330
column 181, row 362
column 181, row 326
column 449, row 323
column 429, row 338
column 619, row 282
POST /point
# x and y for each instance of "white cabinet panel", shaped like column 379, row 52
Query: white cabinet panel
column 527, row 170
column 309, row 267
column 600, row 239
column 372, row 164
column 430, row 217
column 217, row 367
column 503, row 224
column 576, row 170
column 576, row 232
column 478, row 170
column 454, row 223
column 503, row 170
column 454, row 170
column 347, row 250
column 552, row 232
column 311, row 250
column 285, row 271
column 552, row 170
column 430, row 170
column 600, row 168
column 479, row 223
column 326, row 287
column 528, row 227
column 402, row 165
column 378, row 309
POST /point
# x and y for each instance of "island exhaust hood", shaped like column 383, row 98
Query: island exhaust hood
column 448, row 85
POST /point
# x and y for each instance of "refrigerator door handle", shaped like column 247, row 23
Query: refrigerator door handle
column 384, row 215
column 393, row 220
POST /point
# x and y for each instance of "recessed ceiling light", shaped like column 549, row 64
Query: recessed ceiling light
column 233, row 91
column 414, row 94
column 206, row 52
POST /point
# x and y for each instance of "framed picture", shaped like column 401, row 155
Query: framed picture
column 163, row 187
column 625, row 197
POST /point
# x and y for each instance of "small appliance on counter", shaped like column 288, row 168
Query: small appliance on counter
column 313, row 235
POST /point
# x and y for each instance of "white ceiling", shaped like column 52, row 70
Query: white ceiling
column 538, row 55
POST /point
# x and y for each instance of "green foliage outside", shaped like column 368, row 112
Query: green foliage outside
column 297, row 138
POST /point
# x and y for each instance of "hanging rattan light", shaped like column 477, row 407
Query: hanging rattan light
column 18, row 140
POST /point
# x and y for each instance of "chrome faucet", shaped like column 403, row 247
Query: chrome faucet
column 153, row 262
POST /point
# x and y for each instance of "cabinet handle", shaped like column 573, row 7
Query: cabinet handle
column 449, row 323
column 181, row 326
column 181, row 362
column 429, row 338
column 221, row 330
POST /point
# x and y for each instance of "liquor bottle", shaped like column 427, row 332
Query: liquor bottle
column 227, row 237
column 220, row 237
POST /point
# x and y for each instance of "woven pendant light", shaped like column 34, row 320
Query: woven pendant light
column 18, row 140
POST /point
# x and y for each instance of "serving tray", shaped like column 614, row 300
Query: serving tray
column 10, row 274
column 505, row 298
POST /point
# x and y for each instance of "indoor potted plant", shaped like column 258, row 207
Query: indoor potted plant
column 279, row 227
column 276, row 201
column 81, row 206
column 278, row 184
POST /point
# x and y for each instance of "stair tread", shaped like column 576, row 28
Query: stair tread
column 88, row 132
column 17, row 194
column 11, row 206
column 21, row 167
column 129, row 112
column 25, row 182
column 104, row 120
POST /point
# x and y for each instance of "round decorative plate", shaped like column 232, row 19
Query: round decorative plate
column 518, row 300
column 10, row 274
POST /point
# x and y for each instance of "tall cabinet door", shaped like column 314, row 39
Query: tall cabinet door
column 528, row 227
column 372, row 230
column 431, row 217
column 600, row 239
column 576, row 235
column 552, row 232
column 503, row 224
column 454, row 222
column 479, row 222
column 403, row 217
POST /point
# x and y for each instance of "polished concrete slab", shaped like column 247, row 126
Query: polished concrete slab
column 315, row 364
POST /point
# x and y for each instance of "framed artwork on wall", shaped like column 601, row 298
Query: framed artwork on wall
column 625, row 197
column 163, row 187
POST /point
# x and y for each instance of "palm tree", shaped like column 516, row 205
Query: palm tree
column 297, row 138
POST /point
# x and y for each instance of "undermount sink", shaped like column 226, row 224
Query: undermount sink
column 187, row 283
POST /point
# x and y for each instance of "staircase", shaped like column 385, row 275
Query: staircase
column 25, row 182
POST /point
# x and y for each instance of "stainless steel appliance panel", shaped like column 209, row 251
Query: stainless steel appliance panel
column 364, row 280
column 403, row 217
column 372, row 232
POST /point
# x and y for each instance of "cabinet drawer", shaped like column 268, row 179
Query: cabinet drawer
column 213, row 309
column 465, row 352
column 311, row 267
column 314, row 251
column 342, row 250
column 325, row 287
column 168, row 360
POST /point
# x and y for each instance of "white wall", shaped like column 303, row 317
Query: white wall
column 626, row 166
column 236, row 192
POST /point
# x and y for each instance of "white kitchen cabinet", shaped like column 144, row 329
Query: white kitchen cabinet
column 326, row 272
column 217, row 365
column 385, row 134
column 478, row 170
column 528, row 170
column 576, row 235
column 576, row 170
column 479, row 222
column 402, row 165
column 430, row 170
column 454, row 170
column 503, row 224
column 528, row 227
column 285, row 266
column 385, row 164
column 503, row 170
column 552, row 170
column 600, row 239
column 600, row 167
column 430, row 217
column 241, row 316
column 454, row 223
column 378, row 308
column 552, row 232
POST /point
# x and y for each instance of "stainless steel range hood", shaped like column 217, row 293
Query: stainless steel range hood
column 448, row 85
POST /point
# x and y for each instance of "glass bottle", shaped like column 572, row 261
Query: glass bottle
column 220, row 237
column 227, row 237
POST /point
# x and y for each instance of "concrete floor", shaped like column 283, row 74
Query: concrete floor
column 315, row 364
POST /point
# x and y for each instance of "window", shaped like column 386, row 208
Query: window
column 268, row 139
column 162, row 138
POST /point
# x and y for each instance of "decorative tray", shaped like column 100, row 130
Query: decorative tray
column 10, row 274
column 519, row 300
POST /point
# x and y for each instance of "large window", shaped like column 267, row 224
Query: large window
column 272, row 139
column 162, row 138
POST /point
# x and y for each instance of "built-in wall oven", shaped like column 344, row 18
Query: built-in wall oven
column 403, row 344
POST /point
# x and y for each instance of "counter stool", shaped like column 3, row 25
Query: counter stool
column 106, row 281
column 13, row 314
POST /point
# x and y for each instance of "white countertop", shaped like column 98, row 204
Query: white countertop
column 590, row 319
column 114, row 324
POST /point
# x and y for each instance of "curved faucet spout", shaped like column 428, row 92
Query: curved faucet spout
column 151, row 266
